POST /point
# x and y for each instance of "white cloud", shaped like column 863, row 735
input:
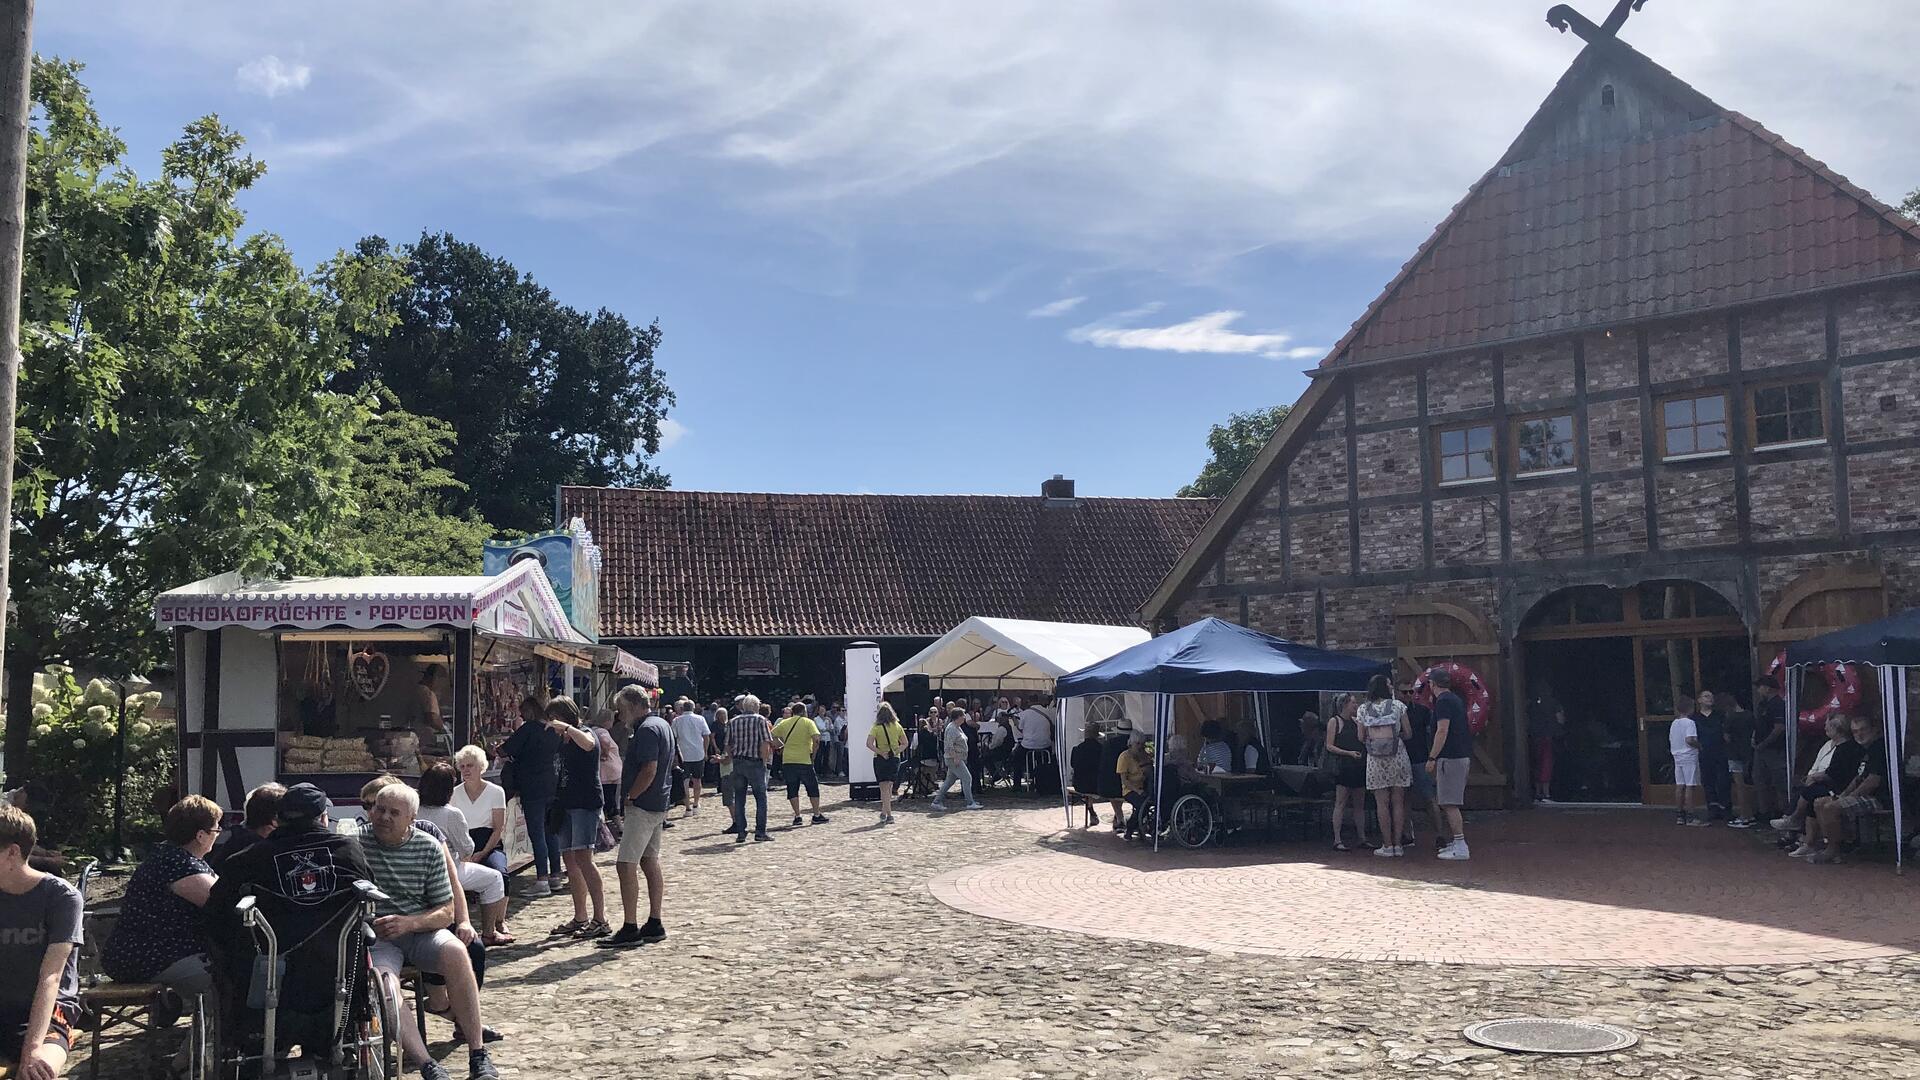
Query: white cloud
column 1209, row 333
column 671, row 432
column 271, row 76
column 1057, row 308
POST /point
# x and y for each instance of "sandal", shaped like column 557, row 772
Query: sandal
column 1341, row 845
column 593, row 928
column 571, row 926
column 497, row 940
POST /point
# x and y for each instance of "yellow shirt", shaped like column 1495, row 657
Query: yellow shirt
column 795, row 735
column 1133, row 772
column 889, row 739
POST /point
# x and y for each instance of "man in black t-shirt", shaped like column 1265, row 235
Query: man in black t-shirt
column 1769, row 776
column 1450, row 759
column 1710, row 726
column 1865, row 796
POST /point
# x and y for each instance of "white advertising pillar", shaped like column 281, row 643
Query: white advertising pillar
column 863, row 698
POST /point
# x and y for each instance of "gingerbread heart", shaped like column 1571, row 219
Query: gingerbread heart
column 370, row 671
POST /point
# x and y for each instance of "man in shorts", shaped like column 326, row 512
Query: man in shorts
column 693, row 738
column 1864, row 796
column 412, row 925
column 1683, row 742
column 1452, row 754
column 799, row 737
column 646, row 791
column 40, row 923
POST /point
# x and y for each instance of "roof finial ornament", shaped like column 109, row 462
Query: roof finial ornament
column 1562, row 17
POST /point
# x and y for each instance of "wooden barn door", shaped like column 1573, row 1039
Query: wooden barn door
column 1426, row 632
column 1818, row 601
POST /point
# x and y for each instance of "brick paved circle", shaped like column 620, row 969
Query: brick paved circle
column 1613, row 889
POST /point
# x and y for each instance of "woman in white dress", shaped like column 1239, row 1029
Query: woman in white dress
column 1383, row 733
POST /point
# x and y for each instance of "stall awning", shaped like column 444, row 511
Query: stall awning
column 1890, row 642
column 628, row 666
column 1214, row 656
column 517, row 603
column 1012, row 654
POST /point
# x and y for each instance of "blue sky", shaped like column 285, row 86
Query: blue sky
column 940, row 247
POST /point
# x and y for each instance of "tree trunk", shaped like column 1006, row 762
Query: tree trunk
column 20, row 669
column 16, row 73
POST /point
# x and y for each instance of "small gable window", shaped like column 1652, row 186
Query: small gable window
column 1693, row 425
column 1466, row 454
column 1789, row 414
column 1606, row 96
column 1543, row 444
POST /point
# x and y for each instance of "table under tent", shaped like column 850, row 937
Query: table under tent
column 1212, row 657
column 1890, row 646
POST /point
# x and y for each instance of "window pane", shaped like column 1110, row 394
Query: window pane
column 1481, row 464
column 1678, row 413
column 1770, row 429
column 1560, row 455
column 1668, row 665
column 1562, row 427
column 1453, row 468
column 1708, row 602
column 1804, row 395
column 1665, row 602
column 1711, row 436
column 1807, row 425
column 1680, row 441
column 1480, row 438
column 1770, row 399
column 1597, row 604
column 1453, row 442
column 1710, row 408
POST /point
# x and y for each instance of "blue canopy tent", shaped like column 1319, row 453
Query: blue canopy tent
column 1213, row 657
column 1890, row 646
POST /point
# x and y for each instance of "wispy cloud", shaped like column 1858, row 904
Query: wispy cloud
column 1209, row 333
column 271, row 76
column 1057, row 308
column 671, row 432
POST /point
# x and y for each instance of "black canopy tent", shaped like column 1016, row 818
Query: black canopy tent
column 1890, row 646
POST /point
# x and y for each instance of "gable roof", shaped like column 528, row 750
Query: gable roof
column 1706, row 208
column 1700, row 207
column 685, row 564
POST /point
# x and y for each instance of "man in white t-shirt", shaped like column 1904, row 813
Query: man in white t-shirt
column 1034, row 729
column 1683, row 739
column 693, row 739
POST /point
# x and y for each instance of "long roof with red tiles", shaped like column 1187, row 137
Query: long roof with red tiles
column 693, row 564
column 1629, row 195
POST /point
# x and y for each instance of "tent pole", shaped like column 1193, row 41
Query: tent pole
column 1162, row 723
column 1059, row 733
column 1893, row 729
column 1792, row 692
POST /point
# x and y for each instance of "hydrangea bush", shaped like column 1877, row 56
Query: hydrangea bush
column 72, row 743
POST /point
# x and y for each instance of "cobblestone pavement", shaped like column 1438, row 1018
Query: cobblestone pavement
column 825, row 954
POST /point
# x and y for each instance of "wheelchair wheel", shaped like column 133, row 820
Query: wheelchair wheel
column 379, row 1045
column 1191, row 821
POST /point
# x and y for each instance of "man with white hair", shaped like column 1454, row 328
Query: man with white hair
column 750, row 748
column 411, row 925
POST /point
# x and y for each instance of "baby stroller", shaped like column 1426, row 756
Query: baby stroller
column 319, row 993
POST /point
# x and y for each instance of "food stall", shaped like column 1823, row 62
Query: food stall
column 334, row 680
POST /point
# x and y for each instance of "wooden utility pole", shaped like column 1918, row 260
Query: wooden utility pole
column 16, row 75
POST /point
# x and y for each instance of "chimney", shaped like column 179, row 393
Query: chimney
column 1058, row 491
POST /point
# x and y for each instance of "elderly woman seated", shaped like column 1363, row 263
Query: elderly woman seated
column 1833, row 767
column 437, row 786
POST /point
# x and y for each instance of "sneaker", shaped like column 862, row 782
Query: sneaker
column 1699, row 822
column 624, row 938
column 977, row 806
column 761, row 838
column 1385, row 852
column 1786, row 824
column 1740, row 823
column 739, row 838
column 796, row 821
column 433, row 1070
column 652, row 932
column 734, row 830
column 1802, row 852
column 487, row 1035
column 666, row 824
column 535, row 890
column 1455, row 853
column 936, row 806
column 819, row 819
column 480, row 1065
column 1826, row 857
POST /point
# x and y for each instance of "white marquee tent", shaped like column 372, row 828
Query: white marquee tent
column 1009, row 655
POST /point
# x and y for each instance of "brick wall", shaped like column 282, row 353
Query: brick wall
column 1696, row 508
column 1545, row 523
column 1686, row 348
column 1881, row 490
column 1287, row 615
column 1254, row 552
column 1390, row 538
column 1542, row 372
column 1613, row 361
column 1792, row 333
column 1361, row 618
column 1466, row 530
column 1613, row 435
column 1619, row 516
column 1387, row 462
column 1461, row 383
column 1320, row 544
column 1792, row 499
column 1392, row 395
column 1318, row 472
column 1864, row 394
column 1878, row 319
column 1223, row 607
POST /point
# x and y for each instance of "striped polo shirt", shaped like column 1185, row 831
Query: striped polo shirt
column 413, row 874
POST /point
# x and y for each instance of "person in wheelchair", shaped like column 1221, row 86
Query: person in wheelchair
column 301, row 877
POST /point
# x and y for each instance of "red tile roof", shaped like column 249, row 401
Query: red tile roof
column 735, row 564
column 1713, row 210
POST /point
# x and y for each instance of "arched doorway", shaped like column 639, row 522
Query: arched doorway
column 1429, row 631
column 1620, row 662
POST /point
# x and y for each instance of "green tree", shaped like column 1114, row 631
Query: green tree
column 1910, row 205
column 537, row 393
column 402, row 487
column 1234, row 445
column 175, row 418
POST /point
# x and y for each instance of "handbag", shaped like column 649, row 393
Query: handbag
column 678, row 793
column 603, row 840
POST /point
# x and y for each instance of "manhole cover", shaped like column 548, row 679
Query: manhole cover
column 1533, row 1035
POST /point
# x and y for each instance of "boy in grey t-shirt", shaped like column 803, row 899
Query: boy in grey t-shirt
column 39, row 958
